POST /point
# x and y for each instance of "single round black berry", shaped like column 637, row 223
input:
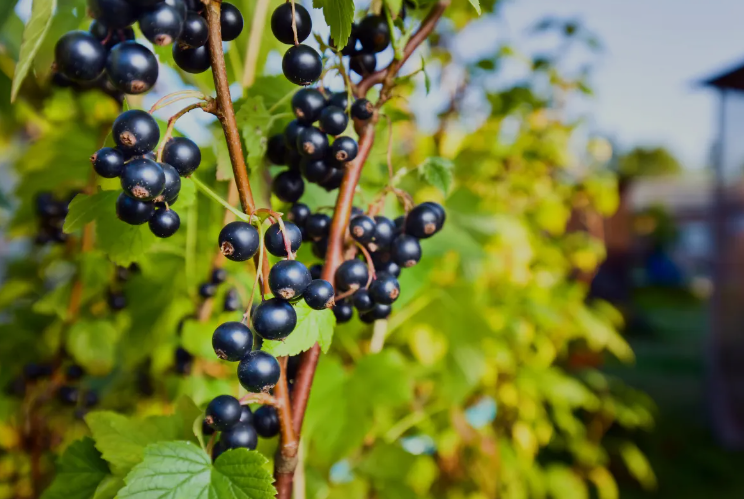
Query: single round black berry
column 298, row 214
column 172, row 185
column 246, row 415
column 378, row 312
column 344, row 149
column 315, row 170
column 162, row 24
column 266, row 421
column 292, row 132
column 384, row 234
column 238, row 241
column 74, row 372
column 334, row 181
column 143, row 179
column 179, row 5
column 333, row 120
column 363, row 63
column 219, row 275
column 164, row 222
column 258, row 372
column 281, row 23
column 383, row 262
column 182, row 154
column 384, row 289
column 133, row 211
column 343, row 311
column 288, row 279
column 288, row 186
column 319, row 294
column 232, row 300
column 399, row 222
column 207, row 290
column 373, row 33
column 184, row 361
column 362, row 228
column 231, row 22
column 307, row 105
column 312, row 143
column 116, row 14
column 318, row 225
column 68, row 395
column 274, row 238
column 240, row 436
column 108, row 162
column 274, row 319
column 439, row 210
column 132, row 68
column 79, row 56
column 302, row 65
column 232, row 341
column 136, row 132
column 406, row 251
column 362, row 300
column 316, row 270
column 223, row 412
column 195, row 32
column 352, row 274
column 192, row 60
column 362, row 109
column 422, row 221
column 320, row 247
column 339, row 99
column 276, row 149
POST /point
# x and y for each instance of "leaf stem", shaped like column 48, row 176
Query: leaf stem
column 216, row 197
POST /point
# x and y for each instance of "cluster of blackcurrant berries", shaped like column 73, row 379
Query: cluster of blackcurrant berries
column 150, row 188
column 307, row 150
column 69, row 393
column 115, row 296
column 209, row 289
column 301, row 64
column 370, row 36
column 51, row 213
column 238, row 426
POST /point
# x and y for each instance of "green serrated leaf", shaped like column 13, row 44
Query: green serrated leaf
column 183, row 470
column 123, row 243
column 93, row 345
column 476, row 5
column 108, row 487
column 438, row 172
column 254, row 122
column 33, row 36
column 80, row 471
column 312, row 326
column 84, row 209
column 339, row 14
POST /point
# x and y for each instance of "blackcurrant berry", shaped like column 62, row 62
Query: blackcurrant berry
column 302, row 65
column 231, row 22
column 274, row 238
column 133, row 211
column 136, row 132
column 288, row 186
column 307, row 105
column 90, row 399
column 351, row 44
column 312, row 143
column 266, row 421
column 131, row 67
column 116, row 301
column 356, row 211
column 184, row 361
column 207, row 290
column 288, row 279
column 333, row 120
column 219, row 275
column 79, row 56
column 179, row 5
column 162, row 24
column 143, row 179
column 218, row 449
column 276, row 149
column 116, row 14
column 399, row 222
column 344, row 149
column 246, row 416
column 195, row 32
column 223, row 412
column 384, row 289
column 74, row 372
column 298, row 214
column 258, row 372
column 315, row 170
column 192, row 60
column 274, row 319
column 339, row 99
column 334, row 181
column 383, row 262
column 363, row 63
column 238, row 241
column 378, row 312
column 108, row 162
column 384, row 233
column 316, row 270
column 362, row 300
column 373, row 33
column 182, row 154
column 362, row 109
column 343, row 311
column 406, row 251
column 33, row 371
column 292, row 132
column 232, row 300
column 240, row 436
column 439, row 210
column 352, row 274
column 320, row 247
column 422, row 221
column 318, row 225
column 362, row 228
column 281, row 23
column 232, row 341
column 110, row 36
column 319, row 294
column 164, row 222
column 68, row 395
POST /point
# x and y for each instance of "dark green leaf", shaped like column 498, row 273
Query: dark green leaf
column 79, row 472
column 312, row 326
column 122, row 242
column 84, row 209
column 33, row 36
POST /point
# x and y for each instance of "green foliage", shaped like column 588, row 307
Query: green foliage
column 80, row 472
column 33, row 36
column 339, row 14
column 312, row 326
column 647, row 162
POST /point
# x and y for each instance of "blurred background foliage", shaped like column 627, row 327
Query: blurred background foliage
column 486, row 381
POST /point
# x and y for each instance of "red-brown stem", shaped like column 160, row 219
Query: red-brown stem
column 286, row 456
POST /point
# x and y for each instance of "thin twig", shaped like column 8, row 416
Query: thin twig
column 208, row 106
